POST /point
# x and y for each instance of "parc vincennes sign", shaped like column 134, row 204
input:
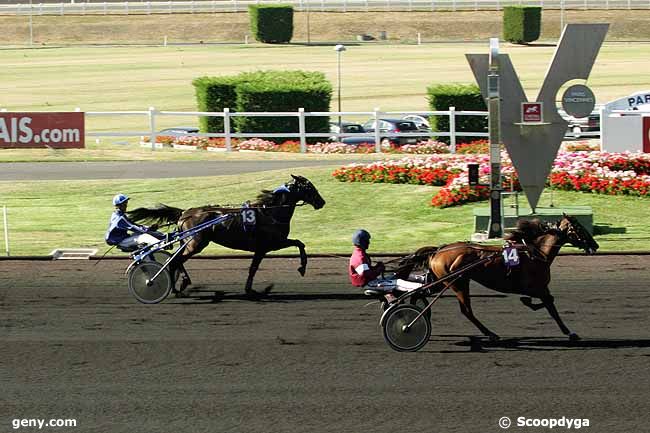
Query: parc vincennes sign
column 56, row 130
column 533, row 144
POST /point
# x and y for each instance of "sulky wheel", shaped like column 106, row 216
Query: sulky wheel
column 396, row 333
column 145, row 290
column 421, row 302
column 162, row 257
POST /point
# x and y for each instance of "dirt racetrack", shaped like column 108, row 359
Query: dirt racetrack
column 311, row 358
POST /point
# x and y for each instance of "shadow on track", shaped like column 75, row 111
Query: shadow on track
column 207, row 296
column 480, row 344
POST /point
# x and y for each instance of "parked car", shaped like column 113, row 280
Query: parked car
column 395, row 126
column 421, row 121
column 578, row 126
column 350, row 128
column 179, row 130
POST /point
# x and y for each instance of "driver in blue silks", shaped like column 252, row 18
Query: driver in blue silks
column 119, row 227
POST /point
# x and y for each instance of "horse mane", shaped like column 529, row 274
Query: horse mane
column 264, row 198
column 158, row 214
column 528, row 230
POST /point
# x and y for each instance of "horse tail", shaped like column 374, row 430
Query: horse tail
column 417, row 260
column 159, row 214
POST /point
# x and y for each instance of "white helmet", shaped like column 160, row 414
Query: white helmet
column 119, row 199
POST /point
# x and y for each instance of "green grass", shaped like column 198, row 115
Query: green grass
column 46, row 215
column 392, row 77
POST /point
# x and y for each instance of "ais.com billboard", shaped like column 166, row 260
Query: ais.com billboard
column 57, row 130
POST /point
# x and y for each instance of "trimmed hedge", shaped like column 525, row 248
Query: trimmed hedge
column 215, row 94
column 521, row 24
column 271, row 24
column 283, row 91
column 465, row 97
column 265, row 91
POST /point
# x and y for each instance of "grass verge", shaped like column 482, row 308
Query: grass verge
column 46, row 215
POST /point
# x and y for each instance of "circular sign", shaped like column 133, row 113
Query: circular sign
column 578, row 101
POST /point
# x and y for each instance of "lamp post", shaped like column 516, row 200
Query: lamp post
column 495, row 229
column 339, row 49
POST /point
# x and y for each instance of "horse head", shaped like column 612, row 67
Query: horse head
column 304, row 190
column 576, row 234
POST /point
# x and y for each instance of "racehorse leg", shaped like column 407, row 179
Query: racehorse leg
column 529, row 303
column 257, row 259
column 461, row 288
column 193, row 246
column 550, row 306
column 303, row 254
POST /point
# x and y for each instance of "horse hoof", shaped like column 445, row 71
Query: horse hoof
column 302, row 271
column 254, row 295
column 574, row 337
column 184, row 283
column 268, row 289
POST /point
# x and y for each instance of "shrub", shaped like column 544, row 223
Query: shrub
column 465, row 97
column 215, row 94
column 271, row 24
column 283, row 91
column 521, row 24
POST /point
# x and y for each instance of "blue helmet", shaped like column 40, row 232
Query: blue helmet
column 119, row 199
column 361, row 238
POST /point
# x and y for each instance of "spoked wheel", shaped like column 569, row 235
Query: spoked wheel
column 417, row 300
column 143, row 288
column 162, row 257
column 397, row 332
column 421, row 302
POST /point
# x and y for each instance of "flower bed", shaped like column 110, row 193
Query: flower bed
column 581, row 146
column 596, row 172
column 261, row 145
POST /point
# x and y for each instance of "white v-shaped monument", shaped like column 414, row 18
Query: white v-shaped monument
column 534, row 146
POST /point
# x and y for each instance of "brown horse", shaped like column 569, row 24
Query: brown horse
column 537, row 244
column 267, row 230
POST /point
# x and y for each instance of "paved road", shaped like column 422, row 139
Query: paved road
column 311, row 358
column 144, row 169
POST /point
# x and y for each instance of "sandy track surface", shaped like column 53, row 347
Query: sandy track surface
column 311, row 358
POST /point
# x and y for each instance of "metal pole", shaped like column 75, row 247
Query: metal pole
column 495, row 229
column 338, row 59
column 152, row 128
column 226, row 128
column 4, row 215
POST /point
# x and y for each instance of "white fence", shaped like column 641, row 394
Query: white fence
column 301, row 134
column 213, row 6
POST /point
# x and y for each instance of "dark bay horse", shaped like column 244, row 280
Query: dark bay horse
column 537, row 243
column 269, row 232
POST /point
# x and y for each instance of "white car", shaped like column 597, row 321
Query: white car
column 420, row 121
column 584, row 126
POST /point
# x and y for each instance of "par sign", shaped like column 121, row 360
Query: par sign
column 57, row 130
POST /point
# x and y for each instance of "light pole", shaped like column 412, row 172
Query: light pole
column 339, row 49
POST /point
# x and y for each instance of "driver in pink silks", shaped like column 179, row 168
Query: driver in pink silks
column 364, row 273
